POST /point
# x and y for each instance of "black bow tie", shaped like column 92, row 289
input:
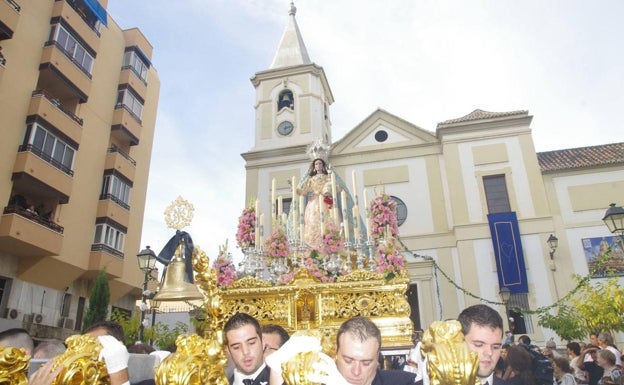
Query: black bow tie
column 248, row 381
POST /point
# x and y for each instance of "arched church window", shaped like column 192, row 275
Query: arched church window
column 401, row 209
column 285, row 99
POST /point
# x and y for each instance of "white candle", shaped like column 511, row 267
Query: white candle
column 295, row 216
column 321, row 214
column 335, row 198
column 294, row 187
column 366, row 215
column 356, row 223
column 354, row 184
column 273, row 199
column 261, row 228
column 345, row 218
column 256, row 227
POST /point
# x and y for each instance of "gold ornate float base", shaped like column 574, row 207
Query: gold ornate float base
column 306, row 303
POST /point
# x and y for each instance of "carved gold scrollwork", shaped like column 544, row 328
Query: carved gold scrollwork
column 449, row 360
column 81, row 362
column 196, row 361
column 14, row 364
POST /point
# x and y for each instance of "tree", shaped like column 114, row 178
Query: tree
column 596, row 306
column 98, row 302
column 162, row 335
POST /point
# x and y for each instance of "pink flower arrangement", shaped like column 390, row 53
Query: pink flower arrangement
column 224, row 267
column 246, row 233
column 382, row 215
column 285, row 279
column 276, row 246
column 312, row 264
column 331, row 243
column 389, row 260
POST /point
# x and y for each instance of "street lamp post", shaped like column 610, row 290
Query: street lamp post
column 147, row 264
column 505, row 295
column 154, row 305
column 614, row 219
column 553, row 243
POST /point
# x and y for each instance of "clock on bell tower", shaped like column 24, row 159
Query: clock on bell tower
column 292, row 96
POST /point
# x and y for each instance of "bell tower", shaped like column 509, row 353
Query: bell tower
column 292, row 96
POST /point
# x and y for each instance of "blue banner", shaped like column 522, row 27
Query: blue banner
column 508, row 251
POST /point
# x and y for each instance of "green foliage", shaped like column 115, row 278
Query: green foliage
column 98, row 302
column 130, row 326
column 165, row 337
column 601, row 306
column 596, row 306
column 566, row 324
column 162, row 335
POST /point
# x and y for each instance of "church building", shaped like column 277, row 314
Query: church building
column 477, row 205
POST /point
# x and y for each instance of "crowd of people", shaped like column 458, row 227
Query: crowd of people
column 595, row 363
column 257, row 354
column 114, row 353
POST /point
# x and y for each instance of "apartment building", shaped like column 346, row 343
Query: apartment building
column 78, row 100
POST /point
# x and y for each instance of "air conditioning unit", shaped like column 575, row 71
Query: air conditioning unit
column 11, row 313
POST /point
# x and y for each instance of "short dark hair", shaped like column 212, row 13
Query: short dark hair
column 361, row 327
column 239, row 320
column 140, row 348
column 48, row 349
column 112, row 329
column 17, row 338
column 575, row 347
column 524, row 339
column 276, row 329
column 481, row 315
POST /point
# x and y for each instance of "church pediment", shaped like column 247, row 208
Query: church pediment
column 382, row 129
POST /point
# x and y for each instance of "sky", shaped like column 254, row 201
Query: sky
column 425, row 61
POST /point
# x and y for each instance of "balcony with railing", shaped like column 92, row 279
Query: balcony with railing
column 126, row 126
column 51, row 110
column 47, row 173
column 129, row 76
column 9, row 17
column 62, row 75
column 79, row 19
column 114, row 208
column 105, row 257
column 116, row 159
column 25, row 233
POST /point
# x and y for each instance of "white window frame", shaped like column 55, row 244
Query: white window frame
column 116, row 187
column 131, row 102
column 110, row 236
column 52, row 146
column 131, row 59
column 73, row 48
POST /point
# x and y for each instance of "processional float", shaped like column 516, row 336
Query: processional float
column 304, row 290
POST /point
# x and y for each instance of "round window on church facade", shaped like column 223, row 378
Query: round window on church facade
column 401, row 210
column 381, row 136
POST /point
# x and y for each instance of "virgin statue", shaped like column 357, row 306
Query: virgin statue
column 317, row 186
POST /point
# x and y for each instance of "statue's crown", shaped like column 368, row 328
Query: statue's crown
column 319, row 149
